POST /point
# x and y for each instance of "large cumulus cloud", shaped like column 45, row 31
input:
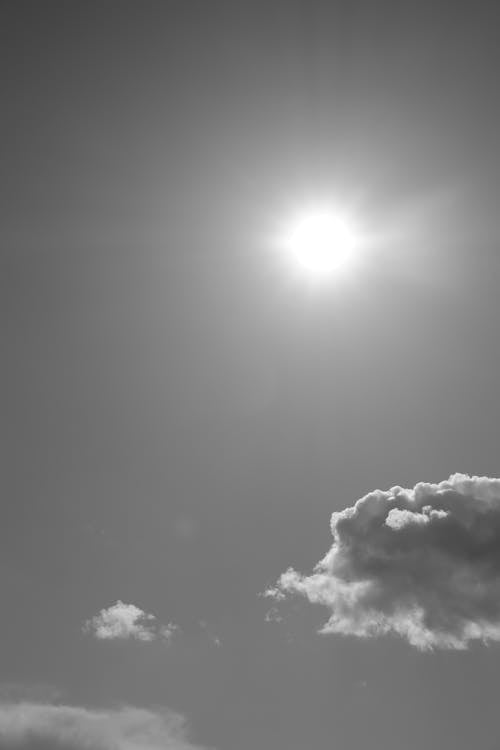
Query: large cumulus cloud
column 39, row 726
column 423, row 563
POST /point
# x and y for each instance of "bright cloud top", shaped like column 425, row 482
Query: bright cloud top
column 423, row 563
column 35, row 725
column 123, row 621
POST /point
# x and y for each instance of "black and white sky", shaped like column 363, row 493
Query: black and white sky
column 182, row 414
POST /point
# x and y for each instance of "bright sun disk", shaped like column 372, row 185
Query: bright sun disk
column 322, row 243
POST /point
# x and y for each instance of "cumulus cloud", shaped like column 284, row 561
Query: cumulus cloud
column 423, row 563
column 26, row 726
column 122, row 621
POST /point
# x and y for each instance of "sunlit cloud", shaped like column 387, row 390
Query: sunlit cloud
column 126, row 621
column 422, row 563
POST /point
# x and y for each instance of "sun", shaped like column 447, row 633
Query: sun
column 321, row 244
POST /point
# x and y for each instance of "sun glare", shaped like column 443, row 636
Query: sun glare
column 321, row 244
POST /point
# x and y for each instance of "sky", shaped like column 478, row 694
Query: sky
column 182, row 413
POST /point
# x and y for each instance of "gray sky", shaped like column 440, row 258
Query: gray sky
column 180, row 416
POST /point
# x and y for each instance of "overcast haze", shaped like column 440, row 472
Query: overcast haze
column 182, row 415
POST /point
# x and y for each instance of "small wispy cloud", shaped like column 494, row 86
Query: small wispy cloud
column 126, row 621
column 25, row 726
column 273, row 615
column 213, row 638
column 423, row 563
column 16, row 692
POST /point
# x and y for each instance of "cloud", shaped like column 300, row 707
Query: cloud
column 123, row 621
column 423, row 563
column 26, row 726
column 273, row 615
column 16, row 692
column 212, row 637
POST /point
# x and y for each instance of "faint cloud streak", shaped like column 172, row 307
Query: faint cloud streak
column 38, row 725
